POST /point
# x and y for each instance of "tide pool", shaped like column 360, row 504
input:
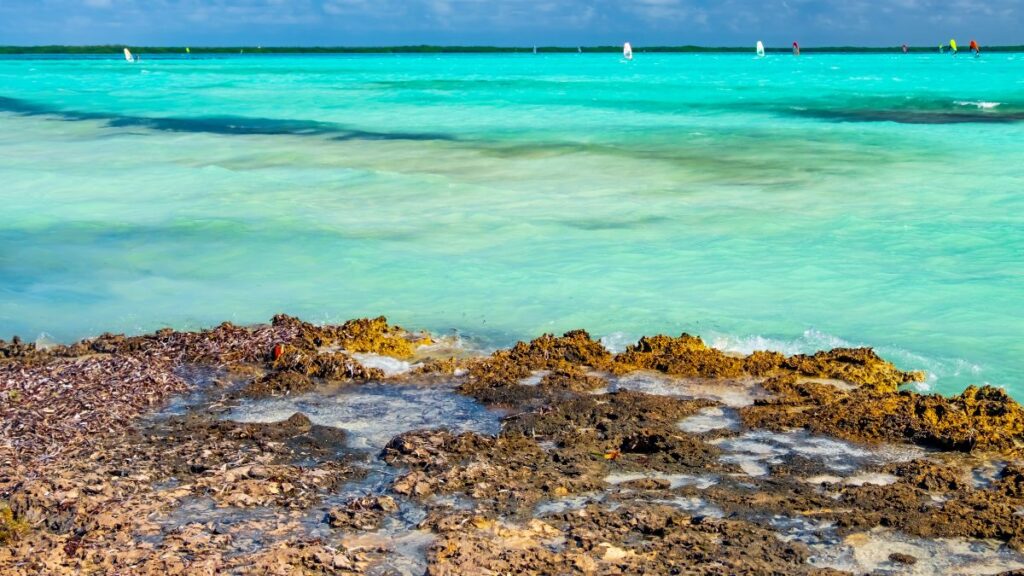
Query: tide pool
column 785, row 203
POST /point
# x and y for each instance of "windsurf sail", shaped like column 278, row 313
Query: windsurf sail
column 188, row 50
column 906, row 49
column 975, row 47
column 796, row 48
column 760, row 49
column 952, row 46
column 534, row 49
column 627, row 51
column 128, row 55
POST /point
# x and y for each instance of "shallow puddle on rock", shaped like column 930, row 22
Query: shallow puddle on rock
column 862, row 479
column 754, row 452
column 709, row 420
column 407, row 556
column 986, row 473
column 692, row 505
column 732, row 393
column 674, row 480
column 567, row 504
column 203, row 380
column 373, row 414
column 872, row 552
column 534, row 378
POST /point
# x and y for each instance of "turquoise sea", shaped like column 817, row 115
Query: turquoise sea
column 785, row 203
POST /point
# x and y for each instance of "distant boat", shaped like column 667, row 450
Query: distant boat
column 627, row 51
column 128, row 55
column 760, row 49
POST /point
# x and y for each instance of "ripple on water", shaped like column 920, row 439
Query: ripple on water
column 755, row 451
column 373, row 414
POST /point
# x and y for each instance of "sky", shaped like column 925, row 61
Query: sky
column 508, row 22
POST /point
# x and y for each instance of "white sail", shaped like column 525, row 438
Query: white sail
column 760, row 49
column 627, row 51
column 128, row 55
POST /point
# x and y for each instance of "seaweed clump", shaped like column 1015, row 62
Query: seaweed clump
column 364, row 335
column 497, row 378
column 11, row 528
column 984, row 418
column 689, row 357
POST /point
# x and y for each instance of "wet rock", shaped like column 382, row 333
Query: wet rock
column 931, row 476
column 618, row 485
column 278, row 384
column 328, row 366
column 642, row 429
column 495, row 379
column 572, row 379
column 905, row 559
column 510, row 473
column 365, row 513
column 646, row 538
column 685, row 356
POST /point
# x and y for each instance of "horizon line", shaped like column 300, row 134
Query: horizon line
column 455, row 48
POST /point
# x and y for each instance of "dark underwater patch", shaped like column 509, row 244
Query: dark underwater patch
column 225, row 125
column 912, row 116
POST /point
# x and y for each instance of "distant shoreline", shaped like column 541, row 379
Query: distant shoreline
column 116, row 49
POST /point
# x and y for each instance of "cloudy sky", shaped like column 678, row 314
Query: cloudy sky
column 508, row 22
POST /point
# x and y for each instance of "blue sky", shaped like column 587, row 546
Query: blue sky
column 508, row 22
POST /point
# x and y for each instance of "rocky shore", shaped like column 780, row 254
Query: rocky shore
column 364, row 448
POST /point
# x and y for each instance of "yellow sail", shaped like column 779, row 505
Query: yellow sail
column 952, row 45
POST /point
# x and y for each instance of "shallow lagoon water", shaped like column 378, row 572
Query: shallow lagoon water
column 786, row 203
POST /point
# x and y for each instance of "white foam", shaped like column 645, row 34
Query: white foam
column 869, row 552
column 982, row 105
column 45, row 342
column 707, row 420
column 534, row 378
column 390, row 366
column 616, row 342
column 373, row 414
